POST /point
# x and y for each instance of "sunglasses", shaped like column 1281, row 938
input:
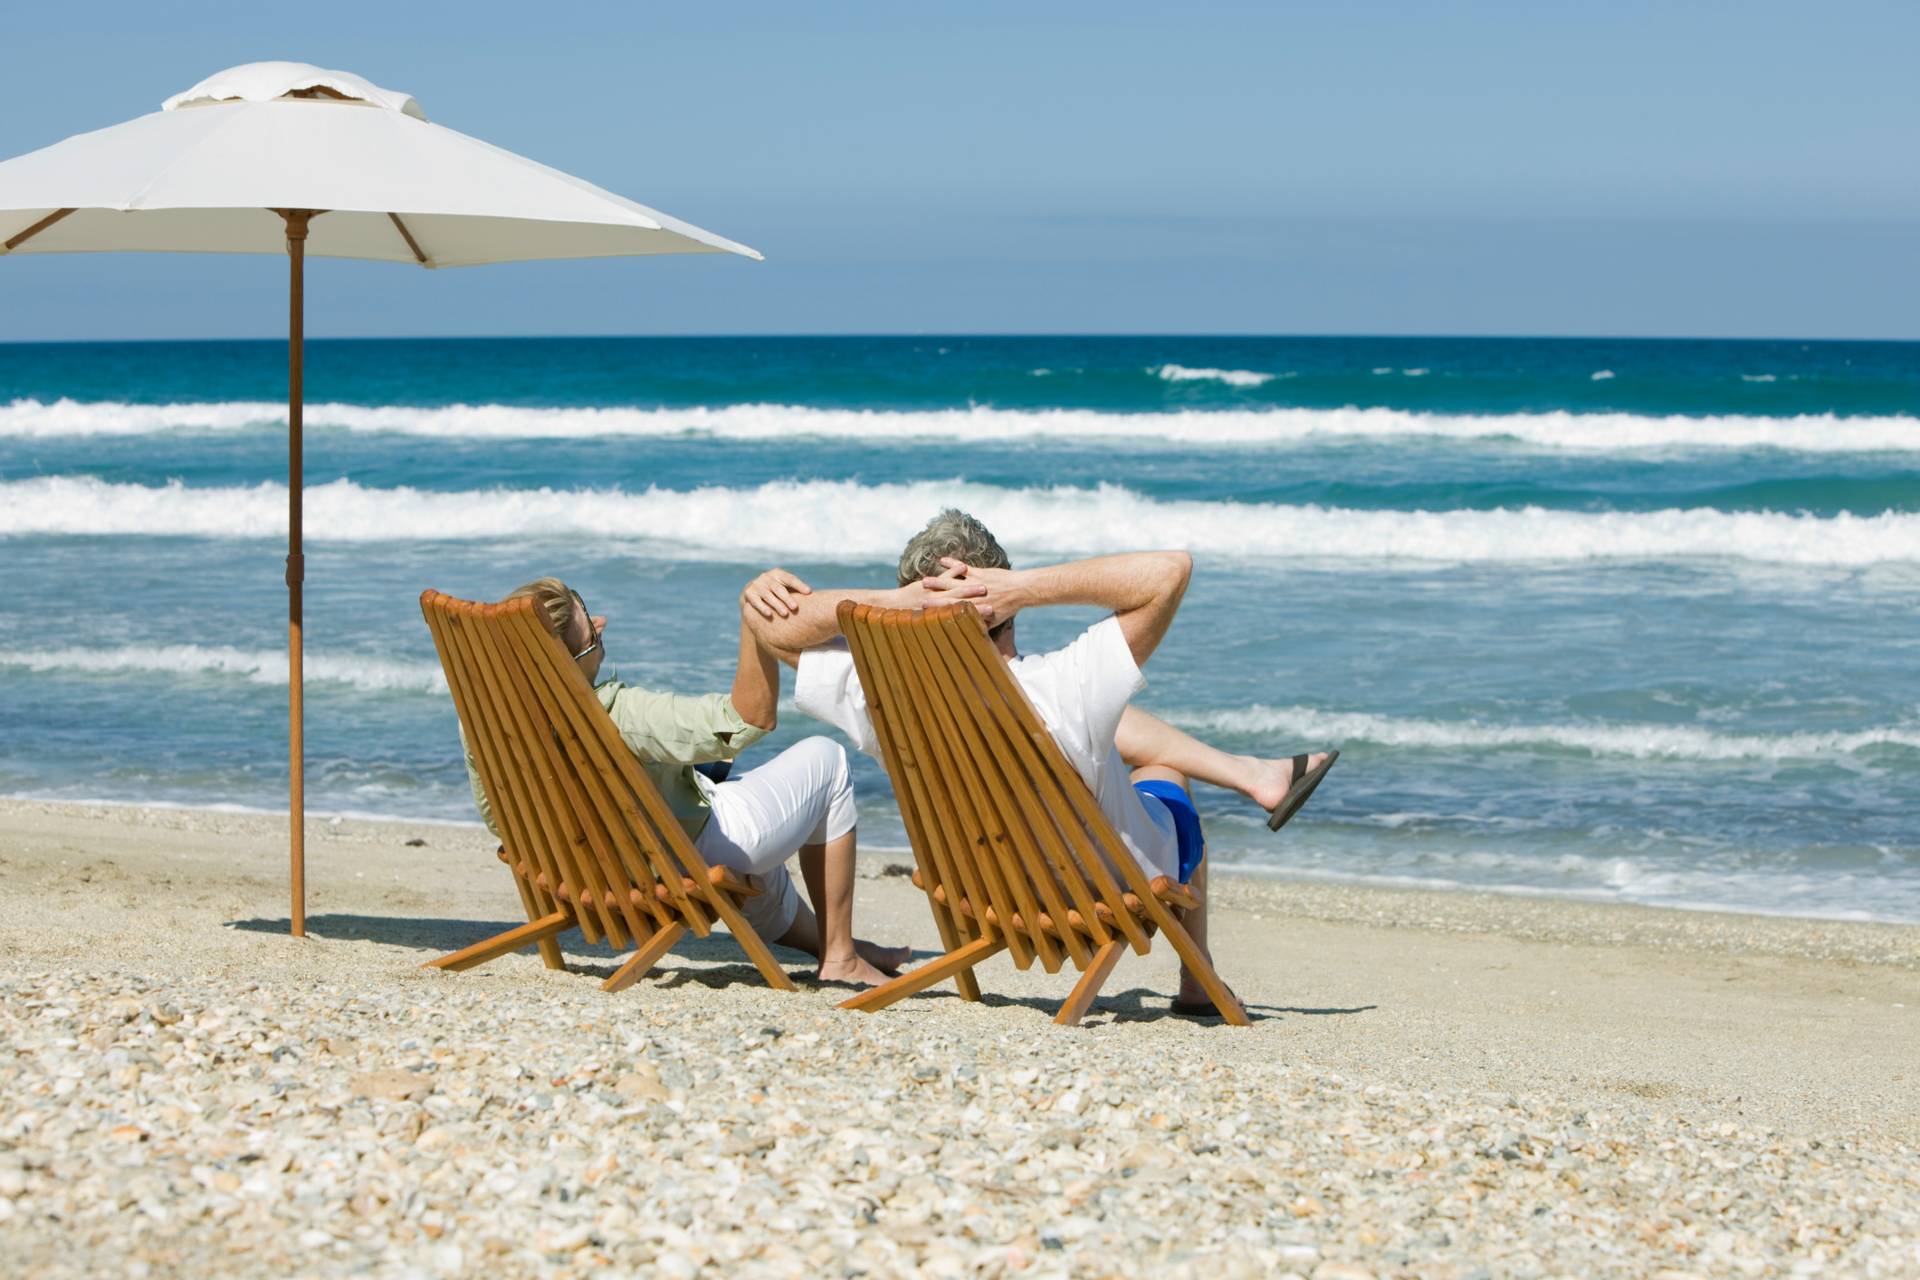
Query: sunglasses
column 595, row 644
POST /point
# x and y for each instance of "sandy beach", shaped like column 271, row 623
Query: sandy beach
column 1435, row 1085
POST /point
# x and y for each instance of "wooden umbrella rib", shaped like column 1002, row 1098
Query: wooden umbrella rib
column 408, row 237
column 36, row 228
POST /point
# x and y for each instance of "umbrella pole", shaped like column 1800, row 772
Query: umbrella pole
column 296, row 563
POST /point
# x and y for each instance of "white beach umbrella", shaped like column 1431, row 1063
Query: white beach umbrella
column 282, row 157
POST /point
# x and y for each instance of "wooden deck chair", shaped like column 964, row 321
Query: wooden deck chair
column 1012, row 850
column 587, row 836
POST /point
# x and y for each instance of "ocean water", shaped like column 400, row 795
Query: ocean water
column 1627, row 620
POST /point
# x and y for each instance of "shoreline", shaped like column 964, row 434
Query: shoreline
column 1333, row 888
column 1434, row 1083
column 365, row 867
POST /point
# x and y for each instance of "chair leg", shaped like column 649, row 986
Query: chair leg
column 968, row 985
column 951, row 939
column 549, row 948
column 645, row 958
column 954, row 963
column 501, row 943
column 752, row 943
column 1190, row 955
column 1089, row 985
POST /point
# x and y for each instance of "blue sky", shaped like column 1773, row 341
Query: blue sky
column 1511, row 168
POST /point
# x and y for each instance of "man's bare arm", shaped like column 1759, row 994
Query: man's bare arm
column 1143, row 588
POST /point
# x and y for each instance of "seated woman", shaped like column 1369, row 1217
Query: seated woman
column 801, row 801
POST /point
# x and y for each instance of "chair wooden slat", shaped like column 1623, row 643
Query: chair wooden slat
column 514, row 788
column 630, row 864
column 599, row 863
column 1035, row 827
column 968, row 775
column 586, row 836
column 498, row 778
column 535, row 902
column 945, row 779
column 585, row 789
column 528, row 728
column 950, row 834
column 642, row 806
column 910, row 772
column 1010, row 842
column 1059, row 790
column 954, row 931
column 1033, row 780
column 438, row 622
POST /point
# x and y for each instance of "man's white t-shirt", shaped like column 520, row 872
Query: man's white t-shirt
column 1080, row 691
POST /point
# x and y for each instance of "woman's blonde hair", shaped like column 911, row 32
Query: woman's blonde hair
column 552, row 600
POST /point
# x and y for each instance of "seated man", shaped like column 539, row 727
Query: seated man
column 800, row 801
column 1136, row 766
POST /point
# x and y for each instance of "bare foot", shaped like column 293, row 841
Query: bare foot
column 1191, row 992
column 853, row 969
column 1271, row 778
column 887, row 960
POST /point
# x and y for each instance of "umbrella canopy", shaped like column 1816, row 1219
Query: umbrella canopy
column 283, row 157
column 202, row 175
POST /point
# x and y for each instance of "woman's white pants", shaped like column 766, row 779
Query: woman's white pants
column 761, row 818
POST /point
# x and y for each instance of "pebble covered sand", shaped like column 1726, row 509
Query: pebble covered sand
column 206, row 1096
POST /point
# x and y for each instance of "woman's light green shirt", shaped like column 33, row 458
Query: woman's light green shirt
column 668, row 733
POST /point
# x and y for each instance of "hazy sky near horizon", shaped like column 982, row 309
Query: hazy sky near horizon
column 1471, row 168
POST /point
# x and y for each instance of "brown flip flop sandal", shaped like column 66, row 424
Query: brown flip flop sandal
column 1303, row 785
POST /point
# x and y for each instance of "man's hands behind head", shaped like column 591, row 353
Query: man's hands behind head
column 992, row 592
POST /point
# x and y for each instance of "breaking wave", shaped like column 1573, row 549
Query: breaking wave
column 1224, row 428
column 256, row 666
column 1640, row 742
column 1231, row 377
column 847, row 520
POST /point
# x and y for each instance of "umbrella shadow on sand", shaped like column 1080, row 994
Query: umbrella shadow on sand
column 717, row 953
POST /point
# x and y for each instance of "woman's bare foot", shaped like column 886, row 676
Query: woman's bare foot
column 854, row 969
column 887, row 960
column 1268, row 780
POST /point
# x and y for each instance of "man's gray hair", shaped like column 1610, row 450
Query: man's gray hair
column 951, row 533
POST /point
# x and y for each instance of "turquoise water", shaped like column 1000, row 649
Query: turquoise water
column 1616, row 619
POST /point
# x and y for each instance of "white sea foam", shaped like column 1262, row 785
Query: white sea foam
column 1231, row 377
column 848, row 520
column 1759, row 377
column 1601, row 375
column 1224, row 429
column 257, row 666
column 1640, row 742
column 1602, row 878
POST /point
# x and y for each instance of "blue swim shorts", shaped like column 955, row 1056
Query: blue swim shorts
column 1186, row 822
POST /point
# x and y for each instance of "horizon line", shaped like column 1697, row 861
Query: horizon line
column 966, row 334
